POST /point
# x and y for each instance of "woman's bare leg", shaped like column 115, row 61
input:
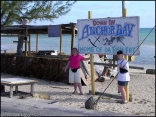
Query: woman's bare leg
column 80, row 87
column 75, row 87
column 123, row 93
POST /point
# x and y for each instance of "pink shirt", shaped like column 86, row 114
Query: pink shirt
column 75, row 61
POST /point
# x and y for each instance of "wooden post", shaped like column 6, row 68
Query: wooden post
column 127, row 91
column 91, row 63
column 36, row 43
column 20, row 43
column 26, row 41
column 11, row 91
column 113, row 61
column 60, row 40
column 126, row 57
column 29, row 44
column 73, row 36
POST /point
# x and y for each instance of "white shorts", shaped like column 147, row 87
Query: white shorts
column 75, row 76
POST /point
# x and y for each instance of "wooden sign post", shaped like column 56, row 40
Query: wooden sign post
column 91, row 62
column 124, row 12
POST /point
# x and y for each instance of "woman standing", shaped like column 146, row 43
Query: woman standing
column 123, row 76
column 74, row 70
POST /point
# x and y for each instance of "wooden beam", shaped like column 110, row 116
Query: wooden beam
column 60, row 40
column 54, row 56
column 11, row 35
column 73, row 36
column 29, row 48
column 26, row 35
column 33, row 29
column 36, row 43
column 17, row 41
column 132, row 67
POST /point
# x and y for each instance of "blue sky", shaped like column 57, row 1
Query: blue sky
column 104, row 9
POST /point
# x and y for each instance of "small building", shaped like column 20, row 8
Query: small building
column 27, row 30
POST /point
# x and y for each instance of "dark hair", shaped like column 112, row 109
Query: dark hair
column 119, row 52
column 75, row 49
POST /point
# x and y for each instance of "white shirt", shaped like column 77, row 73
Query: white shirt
column 125, row 76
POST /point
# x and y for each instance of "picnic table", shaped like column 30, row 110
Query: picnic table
column 17, row 82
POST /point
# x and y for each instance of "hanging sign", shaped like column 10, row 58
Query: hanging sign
column 54, row 31
column 108, row 35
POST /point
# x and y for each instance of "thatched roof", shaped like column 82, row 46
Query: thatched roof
column 36, row 29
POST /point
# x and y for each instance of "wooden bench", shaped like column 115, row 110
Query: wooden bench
column 17, row 82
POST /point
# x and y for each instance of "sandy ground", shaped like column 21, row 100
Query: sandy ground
column 142, row 88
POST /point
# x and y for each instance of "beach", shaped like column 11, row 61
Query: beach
column 141, row 86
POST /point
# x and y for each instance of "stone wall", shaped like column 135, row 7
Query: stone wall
column 39, row 67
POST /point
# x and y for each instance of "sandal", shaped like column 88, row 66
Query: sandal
column 124, row 102
column 119, row 101
column 75, row 92
column 81, row 94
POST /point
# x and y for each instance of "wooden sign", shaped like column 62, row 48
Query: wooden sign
column 108, row 35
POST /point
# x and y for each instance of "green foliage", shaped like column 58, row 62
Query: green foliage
column 15, row 11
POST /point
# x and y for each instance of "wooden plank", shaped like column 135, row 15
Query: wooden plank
column 17, row 41
column 86, row 72
column 9, row 35
column 18, row 83
column 52, row 56
column 11, row 81
column 85, row 68
column 132, row 67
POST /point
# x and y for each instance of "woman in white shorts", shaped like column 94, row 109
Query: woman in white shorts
column 74, row 69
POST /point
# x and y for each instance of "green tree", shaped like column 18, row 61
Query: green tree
column 15, row 11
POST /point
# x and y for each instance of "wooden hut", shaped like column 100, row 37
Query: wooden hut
column 27, row 30
column 45, row 67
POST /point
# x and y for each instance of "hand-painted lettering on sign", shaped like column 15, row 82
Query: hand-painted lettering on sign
column 107, row 35
column 54, row 31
